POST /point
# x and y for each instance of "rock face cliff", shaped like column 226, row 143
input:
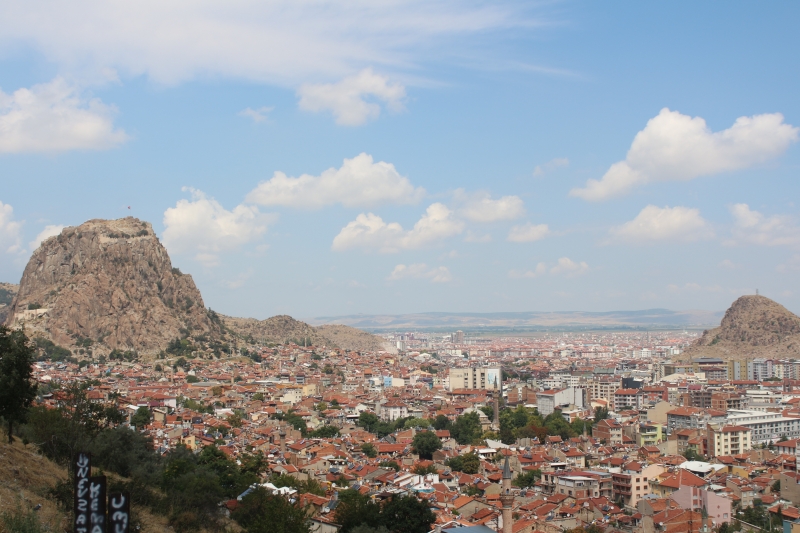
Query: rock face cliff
column 754, row 326
column 7, row 293
column 109, row 284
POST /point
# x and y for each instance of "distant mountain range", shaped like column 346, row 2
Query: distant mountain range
column 530, row 321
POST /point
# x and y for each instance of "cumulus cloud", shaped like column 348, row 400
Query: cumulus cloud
column 541, row 170
column 10, row 230
column 421, row 271
column 55, row 117
column 48, row 231
column 282, row 41
column 203, row 227
column 539, row 270
column 528, row 232
column 354, row 100
column 663, row 224
column 676, row 147
column 752, row 227
column 480, row 207
column 360, row 182
column 727, row 264
column 570, row 268
column 564, row 266
column 370, row 231
column 256, row 115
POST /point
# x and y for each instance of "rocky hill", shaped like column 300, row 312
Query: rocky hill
column 283, row 328
column 754, row 326
column 110, row 285
column 7, row 293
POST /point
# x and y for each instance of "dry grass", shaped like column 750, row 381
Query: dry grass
column 26, row 479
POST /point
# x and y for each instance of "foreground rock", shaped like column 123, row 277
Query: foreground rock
column 754, row 326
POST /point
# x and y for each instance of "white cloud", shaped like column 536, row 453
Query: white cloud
column 752, row 227
column 421, row 271
column 727, row 264
column 564, row 266
column 528, row 232
column 477, row 237
column 282, row 41
column 48, row 231
column 676, row 147
column 541, row 170
column 354, row 100
column 360, row 182
column 663, row 224
column 540, row 270
column 10, row 230
column 479, row 207
column 257, row 115
column 55, row 117
column 203, row 227
column 370, row 231
column 569, row 268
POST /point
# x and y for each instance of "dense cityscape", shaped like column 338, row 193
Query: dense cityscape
column 541, row 433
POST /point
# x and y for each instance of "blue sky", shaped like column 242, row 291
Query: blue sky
column 321, row 158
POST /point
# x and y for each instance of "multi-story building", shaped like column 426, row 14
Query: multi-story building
column 650, row 434
column 765, row 427
column 693, row 418
column 604, row 389
column 759, row 369
column 632, row 483
column 608, row 431
column 628, row 398
column 480, row 377
column 727, row 440
column 548, row 400
column 725, row 401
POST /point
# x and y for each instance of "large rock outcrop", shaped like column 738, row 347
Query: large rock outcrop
column 109, row 284
column 754, row 326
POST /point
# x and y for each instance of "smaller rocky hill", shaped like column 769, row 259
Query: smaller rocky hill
column 354, row 339
column 283, row 328
column 754, row 326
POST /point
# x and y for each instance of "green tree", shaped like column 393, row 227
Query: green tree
column 17, row 388
column 424, row 470
column 192, row 379
column 324, row 432
column 528, row 479
column 600, row 413
column 368, row 420
column 355, row 509
column 407, row 514
column 467, row 428
column 390, row 464
column 441, row 422
column 262, row 512
column 469, row 463
column 369, row 450
column 692, row 455
column 425, row 443
column 141, row 417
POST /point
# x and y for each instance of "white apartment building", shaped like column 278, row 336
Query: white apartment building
column 765, row 427
column 482, row 377
column 548, row 400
